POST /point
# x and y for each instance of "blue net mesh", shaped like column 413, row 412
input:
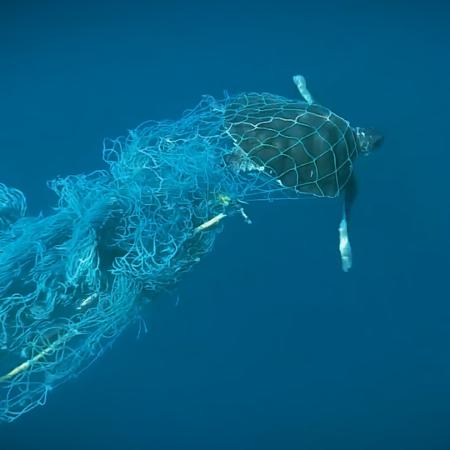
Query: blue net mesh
column 72, row 281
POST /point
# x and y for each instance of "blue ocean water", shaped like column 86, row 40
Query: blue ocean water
column 268, row 345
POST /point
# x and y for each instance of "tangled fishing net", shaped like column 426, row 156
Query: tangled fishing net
column 72, row 281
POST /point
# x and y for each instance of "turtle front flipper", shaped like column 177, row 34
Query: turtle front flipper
column 345, row 248
column 300, row 82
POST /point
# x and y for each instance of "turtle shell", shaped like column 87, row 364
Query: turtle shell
column 305, row 146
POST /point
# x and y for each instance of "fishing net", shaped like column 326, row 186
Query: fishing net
column 70, row 282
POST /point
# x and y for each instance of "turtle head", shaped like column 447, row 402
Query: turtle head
column 368, row 139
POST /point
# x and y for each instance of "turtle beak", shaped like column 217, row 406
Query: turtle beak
column 377, row 139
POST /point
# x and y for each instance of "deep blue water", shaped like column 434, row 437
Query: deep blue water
column 271, row 346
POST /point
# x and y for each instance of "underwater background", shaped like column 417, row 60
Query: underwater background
column 267, row 344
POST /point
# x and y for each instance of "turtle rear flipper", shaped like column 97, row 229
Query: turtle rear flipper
column 345, row 248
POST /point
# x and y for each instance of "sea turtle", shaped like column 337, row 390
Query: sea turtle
column 303, row 144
